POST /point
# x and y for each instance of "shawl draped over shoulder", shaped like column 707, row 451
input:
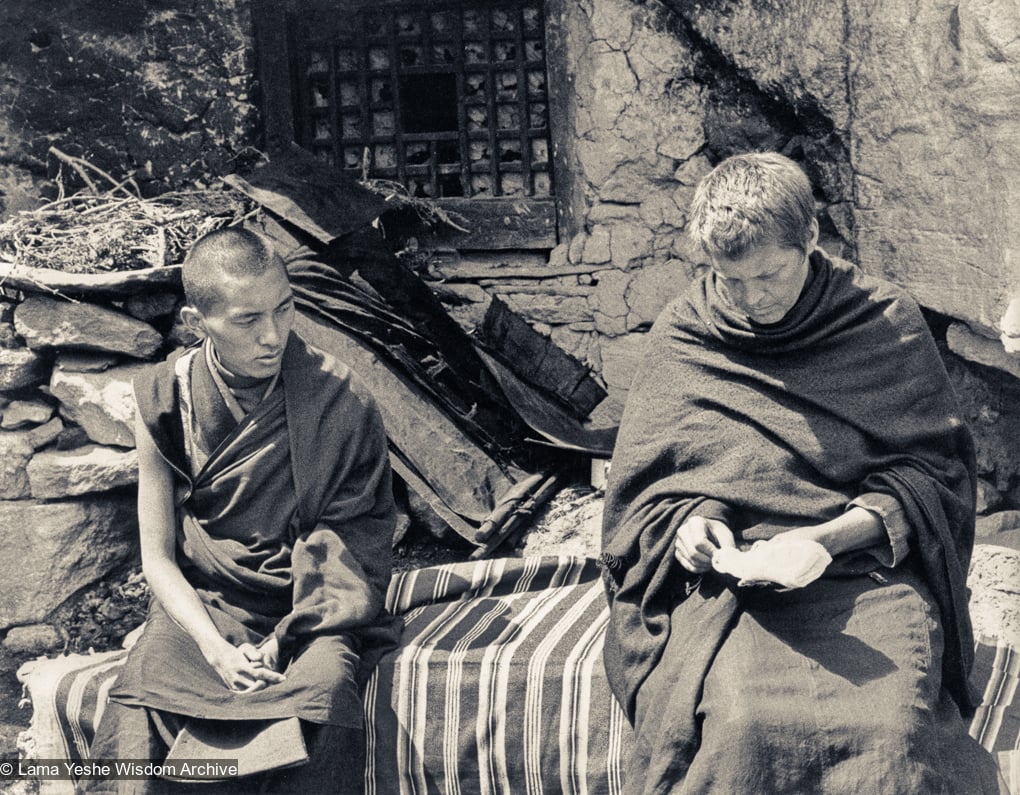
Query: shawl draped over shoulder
column 305, row 557
column 770, row 427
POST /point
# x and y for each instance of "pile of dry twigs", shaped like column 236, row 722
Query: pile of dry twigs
column 115, row 229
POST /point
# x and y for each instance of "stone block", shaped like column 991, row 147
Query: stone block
column 552, row 309
column 994, row 600
column 559, row 256
column 630, row 242
column 659, row 210
column 25, row 413
column 609, row 302
column 51, row 323
column 93, row 468
column 15, row 453
column 988, row 497
column 626, row 186
column 101, row 403
column 150, row 306
column 8, row 334
column 180, row 335
column 21, row 368
column 16, row 450
column 688, row 174
column 572, row 341
column 600, row 158
column 84, row 362
column 651, row 288
column 50, row 550
column 979, row 348
column 610, row 214
column 596, row 247
column 575, row 252
column 33, row 639
column 621, row 357
column 993, row 524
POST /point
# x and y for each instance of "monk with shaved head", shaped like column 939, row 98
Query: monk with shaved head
column 266, row 518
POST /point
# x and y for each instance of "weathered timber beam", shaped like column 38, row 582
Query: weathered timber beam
column 567, row 291
column 470, row 273
column 54, row 282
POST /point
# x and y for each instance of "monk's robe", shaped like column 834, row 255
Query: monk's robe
column 856, row 682
column 285, row 526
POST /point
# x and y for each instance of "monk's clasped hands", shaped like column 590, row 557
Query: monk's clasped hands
column 698, row 539
column 245, row 668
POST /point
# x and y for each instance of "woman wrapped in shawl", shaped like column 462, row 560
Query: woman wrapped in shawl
column 266, row 517
column 788, row 524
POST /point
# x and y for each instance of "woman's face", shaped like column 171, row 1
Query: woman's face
column 765, row 283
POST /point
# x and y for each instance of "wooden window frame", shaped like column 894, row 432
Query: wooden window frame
column 520, row 222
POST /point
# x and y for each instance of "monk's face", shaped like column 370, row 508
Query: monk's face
column 765, row 283
column 250, row 323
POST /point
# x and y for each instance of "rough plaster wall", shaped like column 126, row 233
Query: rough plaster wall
column 924, row 95
column 163, row 89
column 639, row 132
column 653, row 109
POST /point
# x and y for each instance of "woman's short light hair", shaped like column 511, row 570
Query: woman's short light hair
column 751, row 200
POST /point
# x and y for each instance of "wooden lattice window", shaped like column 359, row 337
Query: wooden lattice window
column 448, row 98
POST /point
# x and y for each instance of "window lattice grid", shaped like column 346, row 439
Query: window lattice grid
column 449, row 100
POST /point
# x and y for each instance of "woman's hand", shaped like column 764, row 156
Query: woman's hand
column 697, row 539
column 242, row 668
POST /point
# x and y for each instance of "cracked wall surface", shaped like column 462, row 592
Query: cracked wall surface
column 923, row 96
column 904, row 117
column 654, row 107
column 161, row 92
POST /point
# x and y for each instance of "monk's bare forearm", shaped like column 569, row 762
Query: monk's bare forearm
column 157, row 531
column 182, row 604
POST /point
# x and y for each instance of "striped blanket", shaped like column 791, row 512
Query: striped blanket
column 497, row 687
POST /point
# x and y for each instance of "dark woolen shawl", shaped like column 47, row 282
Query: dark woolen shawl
column 339, row 467
column 770, row 427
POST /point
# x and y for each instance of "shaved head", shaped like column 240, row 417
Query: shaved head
column 231, row 251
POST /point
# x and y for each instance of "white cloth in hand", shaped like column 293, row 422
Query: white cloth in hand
column 788, row 561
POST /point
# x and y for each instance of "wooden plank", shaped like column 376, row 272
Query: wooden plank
column 55, row 282
column 561, row 75
column 498, row 224
column 538, row 360
column 469, row 273
column 459, row 472
column 323, row 201
column 274, row 69
column 562, row 290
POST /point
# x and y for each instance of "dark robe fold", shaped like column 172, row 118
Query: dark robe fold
column 770, row 427
column 286, row 528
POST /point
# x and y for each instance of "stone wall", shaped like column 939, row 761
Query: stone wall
column 903, row 116
column 158, row 91
column 67, row 462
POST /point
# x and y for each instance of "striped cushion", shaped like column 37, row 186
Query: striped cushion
column 497, row 686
